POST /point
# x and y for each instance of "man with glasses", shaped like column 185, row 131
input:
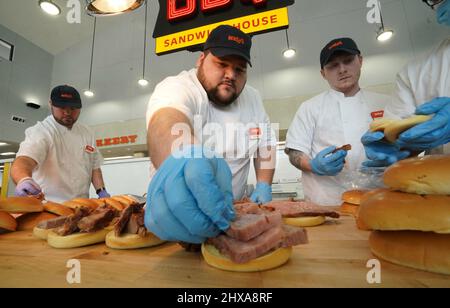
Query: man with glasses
column 423, row 87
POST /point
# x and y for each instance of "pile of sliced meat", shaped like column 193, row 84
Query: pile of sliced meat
column 291, row 208
column 256, row 231
column 131, row 221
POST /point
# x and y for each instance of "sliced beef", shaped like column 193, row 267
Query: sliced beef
column 71, row 224
column 123, row 220
column 293, row 236
column 300, row 209
column 135, row 222
column 52, row 223
column 244, row 251
column 248, row 226
column 97, row 220
column 247, row 208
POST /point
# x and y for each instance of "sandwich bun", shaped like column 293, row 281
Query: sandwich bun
column 353, row 196
column 349, row 209
column 426, row 251
column 383, row 209
column 86, row 202
column 268, row 261
column 379, row 125
column 58, row 209
column 125, row 200
column 428, row 175
column 113, row 203
column 30, row 220
column 41, row 233
column 393, row 130
column 7, row 222
column 132, row 241
column 19, row 205
column 77, row 239
column 308, row 221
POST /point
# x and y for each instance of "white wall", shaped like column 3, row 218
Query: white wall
column 26, row 78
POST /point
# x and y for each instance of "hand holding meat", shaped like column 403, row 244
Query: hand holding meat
column 190, row 198
column 27, row 187
column 328, row 163
column 381, row 153
column 262, row 193
column 432, row 133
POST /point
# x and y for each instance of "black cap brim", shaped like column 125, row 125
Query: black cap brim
column 227, row 51
column 350, row 51
column 63, row 104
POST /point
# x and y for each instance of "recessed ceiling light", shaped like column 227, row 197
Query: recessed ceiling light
column 3, row 143
column 49, row 7
column 8, row 153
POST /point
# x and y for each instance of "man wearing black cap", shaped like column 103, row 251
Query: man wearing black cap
column 223, row 123
column 58, row 156
column 336, row 117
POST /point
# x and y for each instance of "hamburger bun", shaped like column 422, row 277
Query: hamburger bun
column 7, row 222
column 77, row 239
column 131, row 241
column 353, row 196
column 113, row 203
column 58, row 209
column 428, row 175
column 41, row 233
column 19, row 205
column 268, row 261
column 30, row 220
column 309, row 221
column 383, row 209
column 426, row 251
column 349, row 209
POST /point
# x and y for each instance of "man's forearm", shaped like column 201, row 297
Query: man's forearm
column 97, row 179
column 265, row 165
column 299, row 160
column 166, row 126
column 22, row 167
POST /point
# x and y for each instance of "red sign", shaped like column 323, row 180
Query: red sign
column 377, row 114
column 116, row 140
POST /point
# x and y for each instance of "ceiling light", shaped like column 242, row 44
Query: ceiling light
column 143, row 82
column 88, row 93
column 3, row 143
column 384, row 35
column 8, row 153
column 49, row 7
column 289, row 53
column 112, row 7
column 118, row 157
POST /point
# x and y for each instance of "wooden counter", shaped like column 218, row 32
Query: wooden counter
column 336, row 257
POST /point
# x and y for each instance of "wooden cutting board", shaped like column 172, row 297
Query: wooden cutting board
column 336, row 257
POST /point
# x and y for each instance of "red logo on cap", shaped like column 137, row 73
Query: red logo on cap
column 334, row 45
column 377, row 114
column 66, row 95
column 236, row 39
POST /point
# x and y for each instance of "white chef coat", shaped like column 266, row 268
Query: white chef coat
column 234, row 132
column 421, row 81
column 333, row 119
column 65, row 158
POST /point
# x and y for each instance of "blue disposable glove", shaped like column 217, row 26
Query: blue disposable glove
column 443, row 13
column 103, row 194
column 27, row 187
column 190, row 198
column 381, row 153
column 432, row 133
column 329, row 164
column 262, row 193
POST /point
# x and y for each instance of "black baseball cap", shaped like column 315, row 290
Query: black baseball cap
column 229, row 41
column 345, row 44
column 65, row 96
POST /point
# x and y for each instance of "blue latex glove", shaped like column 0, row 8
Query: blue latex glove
column 443, row 13
column 432, row 133
column 329, row 164
column 190, row 198
column 262, row 193
column 381, row 153
column 27, row 187
column 103, row 194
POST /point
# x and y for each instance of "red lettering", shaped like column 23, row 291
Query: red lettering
column 246, row 24
column 273, row 19
column 99, row 142
column 174, row 42
column 166, row 43
column 133, row 138
column 124, row 140
column 265, row 20
column 211, row 5
column 107, row 141
column 176, row 11
column 116, row 140
column 190, row 37
column 255, row 2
